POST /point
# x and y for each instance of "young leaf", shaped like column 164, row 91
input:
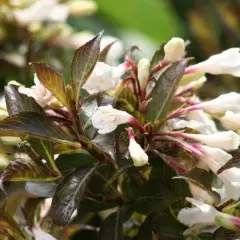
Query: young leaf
column 112, row 227
column 234, row 162
column 53, row 81
column 21, row 169
column 164, row 90
column 33, row 124
column 69, row 193
column 202, row 179
column 83, row 63
column 157, row 57
column 17, row 102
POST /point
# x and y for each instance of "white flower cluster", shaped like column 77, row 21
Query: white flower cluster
column 210, row 146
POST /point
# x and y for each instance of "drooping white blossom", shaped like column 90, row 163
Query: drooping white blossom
column 202, row 213
column 106, row 119
column 223, row 103
column 215, row 158
column 201, row 117
column 174, row 50
column 44, row 10
column 41, row 94
column 226, row 62
column 231, row 120
column 104, row 77
column 138, row 155
column 143, row 72
column 227, row 140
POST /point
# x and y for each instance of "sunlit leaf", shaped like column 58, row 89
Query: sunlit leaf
column 41, row 189
column 83, row 63
column 53, row 81
column 69, row 194
column 23, row 169
column 33, row 124
column 164, row 90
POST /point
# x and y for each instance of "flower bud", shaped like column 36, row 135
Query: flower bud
column 227, row 140
column 143, row 72
column 231, row 120
column 82, row 8
column 138, row 155
column 174, row 50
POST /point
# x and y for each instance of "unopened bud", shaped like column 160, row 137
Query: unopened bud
column 143, row 72
column 82, row 8
column 174, row 50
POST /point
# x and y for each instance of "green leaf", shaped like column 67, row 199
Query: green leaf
column 67, row 163
column 69, row 193
column 202, row 179
column 34, row 125
column 112, row 227
column 17, row 102
column 157, row 57
column 83, row 63
column 234, row 162
column 224, row 234
column 145, row 231
column 21, row 169
column 154, row 197
column 164, row 90
column 103, row 54
column 10, row 227
column 53, row 81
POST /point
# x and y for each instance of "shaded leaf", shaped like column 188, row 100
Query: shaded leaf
column 164, row 90
column 154, row 197
column 103, row 54
column 157, row 57
column 83, row 63
column 145, row 231
column 53, row 81
column 112, row 226
column 67, row 163
column 9, row 226
column 224, row 234
column 22, row 169
column 234, row 162
column 62, row 148
column 202, row 179
column 17, row 102
column 30, row 209
column 69, row 193
column 33, row 124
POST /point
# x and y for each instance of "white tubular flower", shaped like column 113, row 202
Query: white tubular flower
column 231, row 120
column 227, row 140
column 227, row 62
column 175, row 124
column 41, row 95
column 174, row 50
column 215, row 158
column 143, row 72
column 139, row 157
column 223, row 103
column 82, row 8
column 40, row 11
column 206, row 214
column 39, row 234
column 104, row 77
column 106, row 119
column 202, row 117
